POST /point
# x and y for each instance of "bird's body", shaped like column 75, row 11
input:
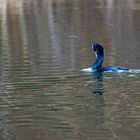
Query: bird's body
column 97, row 65
column 113, row 69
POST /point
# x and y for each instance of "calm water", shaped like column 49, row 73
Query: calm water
column 43, row 46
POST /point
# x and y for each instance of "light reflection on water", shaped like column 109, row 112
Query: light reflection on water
column 43, row 94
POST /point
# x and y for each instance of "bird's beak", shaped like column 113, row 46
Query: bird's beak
column 92, row 46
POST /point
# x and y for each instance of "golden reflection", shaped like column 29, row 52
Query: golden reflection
column 5, row 42
column 32, row 26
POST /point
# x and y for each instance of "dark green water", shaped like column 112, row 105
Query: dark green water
column 43, row 46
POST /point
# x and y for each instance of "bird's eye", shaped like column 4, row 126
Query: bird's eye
column 95, row 49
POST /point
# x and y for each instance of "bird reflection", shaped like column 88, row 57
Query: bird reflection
column 98, row 84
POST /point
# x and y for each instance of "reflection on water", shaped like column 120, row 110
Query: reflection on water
column 98, row 83
column 43, row 46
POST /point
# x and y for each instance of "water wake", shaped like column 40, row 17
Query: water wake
column 130, row 71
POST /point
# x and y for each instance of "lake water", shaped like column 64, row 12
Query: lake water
column 43, row 46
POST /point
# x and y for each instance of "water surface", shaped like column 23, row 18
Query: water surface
column 43, row 46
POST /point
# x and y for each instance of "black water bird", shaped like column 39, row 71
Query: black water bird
column 97, row 65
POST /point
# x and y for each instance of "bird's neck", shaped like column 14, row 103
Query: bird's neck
column 97, row 65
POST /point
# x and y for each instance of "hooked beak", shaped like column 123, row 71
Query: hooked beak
column 95, row 51
column 92, row 46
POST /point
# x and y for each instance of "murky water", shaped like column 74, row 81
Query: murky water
column 43, row 46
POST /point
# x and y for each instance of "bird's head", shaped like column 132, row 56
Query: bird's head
column 98, row 49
